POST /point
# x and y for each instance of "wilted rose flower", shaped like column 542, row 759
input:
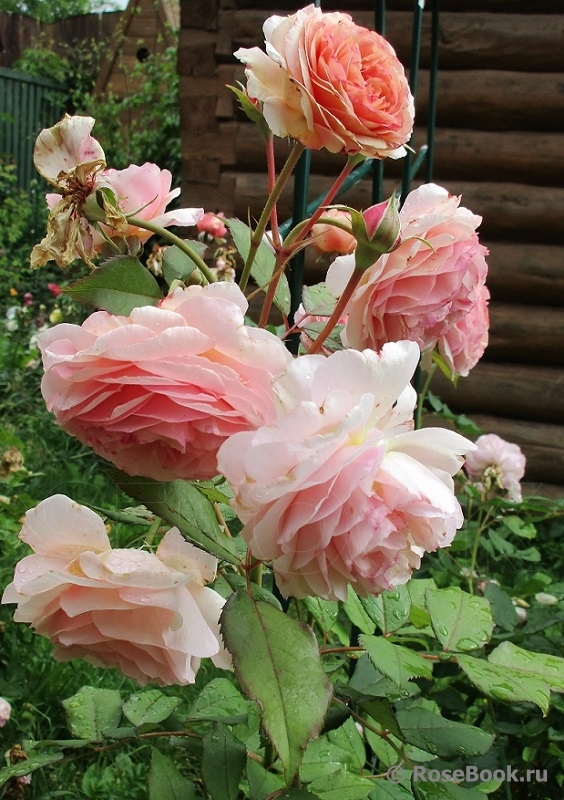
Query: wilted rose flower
column 212, row 224
column 159, row 391
column 426, row 285
column 5, row 711
column 327, row 82
column 339, row 488
column 145, row 193
column 497, row 464
column 149, row 615
column 327, row 238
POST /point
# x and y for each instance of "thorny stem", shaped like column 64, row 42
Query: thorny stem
column 270, row 204
column 180, row 243
column 271, row 183
column 482, row 525
column 338, row 312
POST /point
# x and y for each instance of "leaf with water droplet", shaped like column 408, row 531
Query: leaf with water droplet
column 390, row 609
column 223, row 762
column 544, row 666
column 396, row 662
column 442, row 737
column 91, row 711
column 220, row 701
column 149, row 707
column 505, row 684
column 166, row 782
column 460, row 620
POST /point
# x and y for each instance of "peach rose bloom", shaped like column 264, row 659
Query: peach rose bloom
column 339, row 488
column 497, row 461
column 463, row 345
column 327, row 82
column 426, row 285
column 328, row 238
column 149, row 615
column 145, row 192
column 157, row 392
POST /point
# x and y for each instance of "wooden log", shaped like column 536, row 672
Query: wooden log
column 513, row 211
column 490, row 100
column 526, row 334
column 473, row 41
column 491, row 6
column 512, row 391
column 515, row 156
column 530, row 273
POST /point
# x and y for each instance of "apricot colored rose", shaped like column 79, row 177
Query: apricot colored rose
column 328, row 82
column 149, row 615
column 340, row 489
column 159, row 391
column 327, row 238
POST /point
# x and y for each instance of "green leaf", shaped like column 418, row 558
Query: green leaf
column 324, row 612
column 166, row 782
column 149, row 708
column 394, row 661
column 348, row 738
column 181, row 504
column 118, row 286
column 440, row 736
column 251, row 111
column 177, row 265
column 460, row 621
column 356, row 612
column 220, row 701
column 262, row 783
column 342, row 785
column 536, row 665
column 223, row 762
column 91, row 711
column 29, row 765
column 277, row 663
column 446, row 791
column 503, row 610
column 370, row 682
column 390, row 791
column 318, row 301
column 263, row 265
column 391, row 609
column 505, row 684
column 382, row 711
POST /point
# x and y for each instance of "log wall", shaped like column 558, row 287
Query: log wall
column 499, row 143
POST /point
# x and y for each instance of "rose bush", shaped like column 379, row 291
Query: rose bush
column 339, row 489
column 149, row 615
column 157, row 392
column 329, row 83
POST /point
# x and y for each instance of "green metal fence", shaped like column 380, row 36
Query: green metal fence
column 27, row 105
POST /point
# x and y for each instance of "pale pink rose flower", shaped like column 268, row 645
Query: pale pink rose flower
column 149, row 615
column 5, row 711
column 159, row 391
column 327, row 82
column 144, row 192
column 426, row 285
column 496, row 461
column 212, row 224
column 463, row 345
column 327, row 238
column 340, row 489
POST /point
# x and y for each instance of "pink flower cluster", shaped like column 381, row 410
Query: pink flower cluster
column 430, row 289
column 339, row 489
column 149, row 615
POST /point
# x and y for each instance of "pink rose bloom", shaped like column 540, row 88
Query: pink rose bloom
column 496, row 461
column 5, row 711
column 328, row 238
column 327, row 82
column 463, row 345
column 145, row 192
column 339, row 488
column 212, row 224
column 159, row 391
column 149, row 615
column 424, row 286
